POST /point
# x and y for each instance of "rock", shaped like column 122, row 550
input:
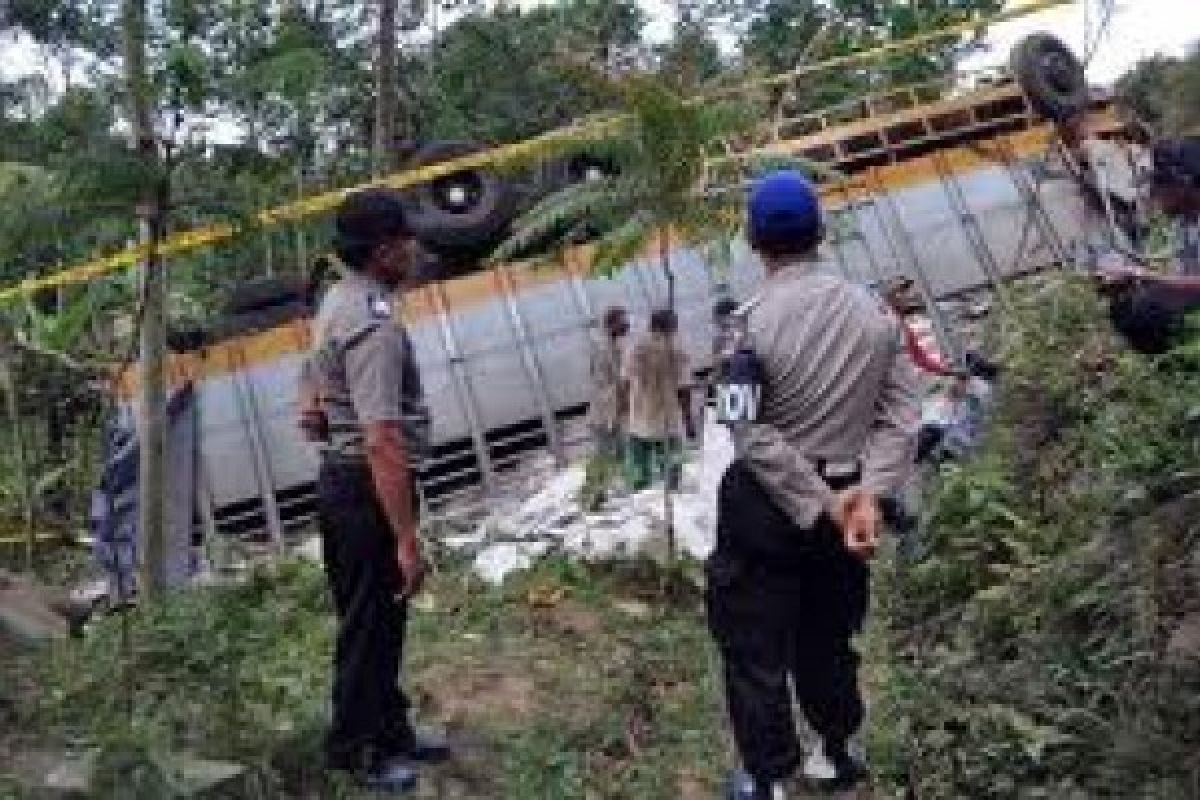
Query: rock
column 190, row 776
column 32, row 615
column 494, row 563
column 198, row 777
column 72, row 775
column 1184, row 645
column 632, row 608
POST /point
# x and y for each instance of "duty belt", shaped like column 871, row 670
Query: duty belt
column 341, row 458
column 358, row 457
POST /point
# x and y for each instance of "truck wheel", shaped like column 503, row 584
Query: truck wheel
column 584, row 167
column 1051, row 76
column 461, row 215
column 264, row 293
column 576, row 168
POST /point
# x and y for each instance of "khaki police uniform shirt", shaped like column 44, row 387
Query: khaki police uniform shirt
column 839, row 388
column 363, row 371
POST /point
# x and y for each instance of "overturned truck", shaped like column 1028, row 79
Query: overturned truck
column 957, row 194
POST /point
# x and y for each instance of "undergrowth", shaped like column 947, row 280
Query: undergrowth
column 568, row 681
column 233, row 674
column 1030, row 651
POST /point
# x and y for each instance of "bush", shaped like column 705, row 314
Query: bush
column 226, row 674
column 1028, row 647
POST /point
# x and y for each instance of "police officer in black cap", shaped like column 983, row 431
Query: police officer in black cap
column 365, row 405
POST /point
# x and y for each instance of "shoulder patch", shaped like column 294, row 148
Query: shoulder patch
column 378, row 307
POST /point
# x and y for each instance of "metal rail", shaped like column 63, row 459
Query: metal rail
column 462, row 383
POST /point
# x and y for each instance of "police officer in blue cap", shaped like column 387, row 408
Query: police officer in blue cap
column 823, row 404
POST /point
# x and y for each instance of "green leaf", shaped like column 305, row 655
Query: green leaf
column 622, row 245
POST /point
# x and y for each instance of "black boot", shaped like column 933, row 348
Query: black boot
column 743, row 786
column 428, row 749
column 850, row 770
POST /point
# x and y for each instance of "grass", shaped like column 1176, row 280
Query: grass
column 1026, row 654
column 567, row 682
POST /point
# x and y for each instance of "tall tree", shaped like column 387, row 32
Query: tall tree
column 524, row 54
column 778, row 35
column 152, row 480
column 1164, row 94
column 383, row 151
column 692, row 58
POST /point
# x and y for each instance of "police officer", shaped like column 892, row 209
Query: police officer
column 831, row 428
column 362, row 383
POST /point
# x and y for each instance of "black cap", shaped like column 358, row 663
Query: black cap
column 664, row 320
column 365, row 220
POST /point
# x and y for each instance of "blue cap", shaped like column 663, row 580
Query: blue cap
column 784, row 212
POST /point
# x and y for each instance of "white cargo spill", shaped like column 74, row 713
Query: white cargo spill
column 552, row 521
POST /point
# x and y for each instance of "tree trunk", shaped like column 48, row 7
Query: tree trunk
column 383, row 151
column 664, row 257
column 151, row 375
column 20, row 457
column 301, row 239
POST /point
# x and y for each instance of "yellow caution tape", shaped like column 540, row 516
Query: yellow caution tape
column 202, row 237
column 186, row 241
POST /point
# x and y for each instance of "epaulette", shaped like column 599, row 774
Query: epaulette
column 379, row 308
column 743, row 311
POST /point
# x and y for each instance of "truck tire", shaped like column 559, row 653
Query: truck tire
column 583, row 167
column 265, row 293
column 576, row 168
column 568, row 171
column 1051, row 76
column 462, row 215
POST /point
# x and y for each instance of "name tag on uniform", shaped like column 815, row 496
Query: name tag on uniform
column 379, row 307
column 738, row 402
column 739, row 388
column 835, row 470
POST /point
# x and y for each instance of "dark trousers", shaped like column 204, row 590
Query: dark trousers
column 370, row 712
column 783, row 604
column 647, row 460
